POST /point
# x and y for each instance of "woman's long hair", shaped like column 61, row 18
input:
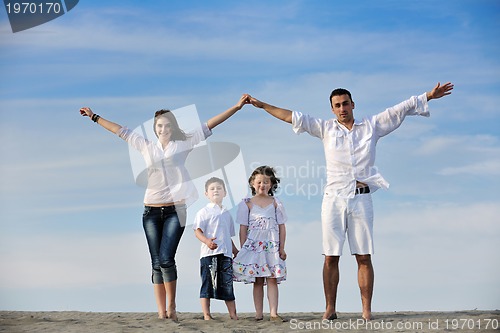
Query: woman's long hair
column 177, row 133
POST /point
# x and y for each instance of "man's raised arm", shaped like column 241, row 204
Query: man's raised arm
column 282, row 114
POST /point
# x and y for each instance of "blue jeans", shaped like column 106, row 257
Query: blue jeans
column 163, row 227
column 217, row 277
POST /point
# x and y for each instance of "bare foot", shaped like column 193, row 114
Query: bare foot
column 367, row 316
column 207, row 317
column 173, row 316
column 330, row 316
column 278, row 318
column 234, row 317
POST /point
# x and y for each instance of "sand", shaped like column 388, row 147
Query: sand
column 68, row 321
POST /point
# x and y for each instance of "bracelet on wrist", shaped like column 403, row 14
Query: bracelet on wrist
column 95, row 117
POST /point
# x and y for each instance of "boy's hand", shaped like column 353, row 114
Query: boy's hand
column 211, row 244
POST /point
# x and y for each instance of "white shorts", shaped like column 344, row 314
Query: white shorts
column 354, row 217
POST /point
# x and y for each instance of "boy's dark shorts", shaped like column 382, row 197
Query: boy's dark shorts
column 217, row 277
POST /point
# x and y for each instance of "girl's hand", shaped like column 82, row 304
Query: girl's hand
column 86, row 112
column 282, row 254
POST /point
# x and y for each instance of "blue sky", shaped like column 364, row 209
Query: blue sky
column 70, row 226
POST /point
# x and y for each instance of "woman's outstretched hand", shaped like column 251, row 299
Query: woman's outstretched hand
column 244, row 99
column 86, row 112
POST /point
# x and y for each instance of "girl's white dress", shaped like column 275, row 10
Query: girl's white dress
column 259, row 256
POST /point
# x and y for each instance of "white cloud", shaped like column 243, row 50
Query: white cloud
column 61, row 261
column 485, row 168
column 474, row 218
column 426, row 253
column 471, row 144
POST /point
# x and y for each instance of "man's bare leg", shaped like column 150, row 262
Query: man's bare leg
column 331, row 279
column 365, row 280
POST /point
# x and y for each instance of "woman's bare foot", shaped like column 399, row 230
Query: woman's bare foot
column 173, row 316
column 207, row 317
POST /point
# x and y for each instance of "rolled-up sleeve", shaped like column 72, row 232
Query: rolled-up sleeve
column 199, row 134
column 132, row 138
column 390, row 119
column 305, row 123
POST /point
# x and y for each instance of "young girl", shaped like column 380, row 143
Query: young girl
column 261, row 259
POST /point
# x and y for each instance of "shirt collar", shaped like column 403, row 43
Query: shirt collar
column 356, row 122
column 213, row 205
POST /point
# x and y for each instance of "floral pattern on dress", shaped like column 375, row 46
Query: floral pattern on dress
column 262, row 246
column 248, row 273
column 259, row 255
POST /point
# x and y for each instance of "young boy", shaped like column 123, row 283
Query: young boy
column 214, row 227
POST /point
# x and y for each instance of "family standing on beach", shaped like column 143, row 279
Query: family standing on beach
column 347, row 209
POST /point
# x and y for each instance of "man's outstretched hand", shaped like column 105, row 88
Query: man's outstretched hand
column 440, row 91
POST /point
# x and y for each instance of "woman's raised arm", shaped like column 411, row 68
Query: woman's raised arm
column 109, row 125
column 220, row 118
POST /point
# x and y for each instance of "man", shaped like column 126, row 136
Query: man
column 347, row 208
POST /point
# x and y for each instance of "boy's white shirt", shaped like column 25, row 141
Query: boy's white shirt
column 215, row 221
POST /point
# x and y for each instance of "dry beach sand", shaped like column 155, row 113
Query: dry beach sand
column 68, row 321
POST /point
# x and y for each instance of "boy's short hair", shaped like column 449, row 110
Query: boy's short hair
column 215, row 180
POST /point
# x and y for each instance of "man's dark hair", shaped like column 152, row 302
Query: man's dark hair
column 340, row 92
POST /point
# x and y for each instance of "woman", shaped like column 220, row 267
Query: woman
column 168, row 193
